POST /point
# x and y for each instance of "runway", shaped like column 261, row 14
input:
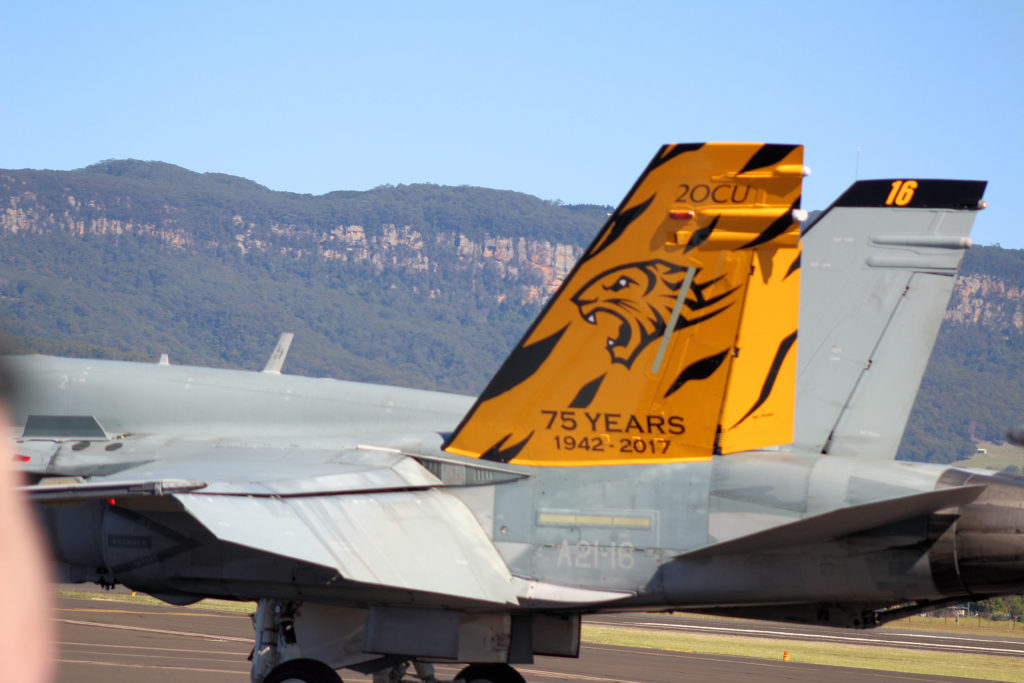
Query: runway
column 121, row 642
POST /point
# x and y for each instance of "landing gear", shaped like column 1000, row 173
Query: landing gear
column 276, row 640
column 302, row 671
column 489, row 673
column 306, row 642
column 394, row 674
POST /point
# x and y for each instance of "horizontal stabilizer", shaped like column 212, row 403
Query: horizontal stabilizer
column 842, row 522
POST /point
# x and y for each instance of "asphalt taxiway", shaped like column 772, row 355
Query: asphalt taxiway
column 115, row 642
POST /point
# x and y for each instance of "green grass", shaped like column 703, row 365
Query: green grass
column 932, row 662
column 997, row 457
column 967, row 626
column 143, row 599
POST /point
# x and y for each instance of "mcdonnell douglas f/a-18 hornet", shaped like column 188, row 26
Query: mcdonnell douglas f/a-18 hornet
column 655, row 442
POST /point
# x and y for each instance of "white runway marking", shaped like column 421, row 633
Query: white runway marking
column 123, row 665
column 863, row 640
column 187, row 634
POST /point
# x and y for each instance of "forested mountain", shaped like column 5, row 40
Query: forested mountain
column 973, row 389
column 418, row 285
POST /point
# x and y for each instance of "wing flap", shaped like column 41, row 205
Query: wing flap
column 411, row 540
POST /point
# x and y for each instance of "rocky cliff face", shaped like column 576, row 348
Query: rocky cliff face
column 989, row 292
column 532, row 268
column 987, row 301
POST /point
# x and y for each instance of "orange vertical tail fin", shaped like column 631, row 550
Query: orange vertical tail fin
column 674, row 336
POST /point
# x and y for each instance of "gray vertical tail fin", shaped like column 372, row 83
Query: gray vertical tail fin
column 878, row 269
column 276, row 360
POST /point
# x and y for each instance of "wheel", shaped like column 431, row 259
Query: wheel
column 302, row 671
column 489, row 673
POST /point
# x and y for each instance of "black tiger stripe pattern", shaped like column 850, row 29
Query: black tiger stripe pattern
column 701, row 369
column 768, row 155
column 498, row 452
column 778, row 226
column 773, row 373
column 587, row 393
column 793, row 267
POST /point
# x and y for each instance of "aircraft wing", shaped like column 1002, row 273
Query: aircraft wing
column 412, row 540
column 375, row 517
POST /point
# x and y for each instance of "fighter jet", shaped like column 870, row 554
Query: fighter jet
column 654, row 442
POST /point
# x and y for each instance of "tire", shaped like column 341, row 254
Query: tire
column 490, row 673
column 302, row 671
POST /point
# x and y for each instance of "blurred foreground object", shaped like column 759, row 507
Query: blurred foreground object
column 27, row 643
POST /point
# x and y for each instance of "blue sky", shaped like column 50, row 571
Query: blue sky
column 563, row 100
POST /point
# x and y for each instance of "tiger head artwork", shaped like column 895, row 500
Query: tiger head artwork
column 640, row 296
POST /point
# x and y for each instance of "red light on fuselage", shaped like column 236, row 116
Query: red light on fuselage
column 681, row 214
column 21, row 458
column 111, row 501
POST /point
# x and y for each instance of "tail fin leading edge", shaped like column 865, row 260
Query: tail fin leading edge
column 879, row 267
column 674, row 335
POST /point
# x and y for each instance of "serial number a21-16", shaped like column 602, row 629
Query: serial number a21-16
column 585, row 555
column 626, row 444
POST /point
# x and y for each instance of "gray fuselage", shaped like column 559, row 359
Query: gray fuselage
column 613, row 537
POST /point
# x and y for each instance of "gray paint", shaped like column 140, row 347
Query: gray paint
column 875, row 284
column 332, row 504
